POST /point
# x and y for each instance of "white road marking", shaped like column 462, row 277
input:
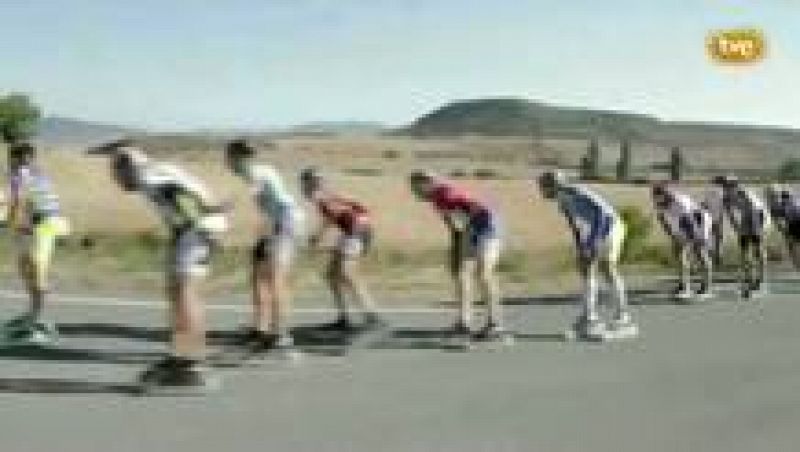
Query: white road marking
column 77, row 300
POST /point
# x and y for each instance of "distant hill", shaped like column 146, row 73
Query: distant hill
column 54, row 130
column 520, row 117
column 336, row 128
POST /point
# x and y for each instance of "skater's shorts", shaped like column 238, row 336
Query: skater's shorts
column 483, row 234
column 277, row 249
column 355, row 243
column 695, row 228
column 39, row 243
column 288, row 221
column 754, row 224
column 481, row 240
column 189, row 253
column 280, row 246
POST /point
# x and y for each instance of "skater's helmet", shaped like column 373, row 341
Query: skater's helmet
column 421, row 182
column 128, row 166
column 237, row 151
column 660, row 192
column 311, row 181
column 239, row 148
column 728, row 181
column 21, row 153
column 550, row 181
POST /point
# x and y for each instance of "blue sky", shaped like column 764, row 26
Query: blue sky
column 250, row 63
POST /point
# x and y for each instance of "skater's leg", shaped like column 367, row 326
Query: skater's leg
column 610, row 268
column 35, row 254
column 333, row 276
column 189, row 266
column 460, row 272
column 187, row 318
column 34, row 266
column 683, row 253
column 716, row 242
column 277, row 275
column 488, row 257
column 706, row 264
column 353, row 280
column 590, row 310
column 760, row 257
column 261, row 296
column 794, row 251
column 351, row 250
column 272, row 260
column 746, row 270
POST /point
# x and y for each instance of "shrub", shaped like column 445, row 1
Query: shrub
column 639, row 226
column 364, row 171
column 513, row 262
column 150, row 240
column 391, row 154
column 789, row 170
column 485, row 173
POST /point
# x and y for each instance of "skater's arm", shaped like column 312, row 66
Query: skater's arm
column 577, row 236
column 459, row 239
column 574, row 230
column 662, row 220
column 733, row 218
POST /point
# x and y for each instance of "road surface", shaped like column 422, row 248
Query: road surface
column 719, row 376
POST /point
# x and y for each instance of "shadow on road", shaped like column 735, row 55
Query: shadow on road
column 310, row 339
column 78, row 355
column 113, row 330
column 304, row 335
column 437, row 339
column 649, row 296
column 63, row 386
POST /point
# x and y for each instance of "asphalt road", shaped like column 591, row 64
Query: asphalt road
column 720, row 376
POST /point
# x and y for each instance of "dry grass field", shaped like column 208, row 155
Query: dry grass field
column 115, row 242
